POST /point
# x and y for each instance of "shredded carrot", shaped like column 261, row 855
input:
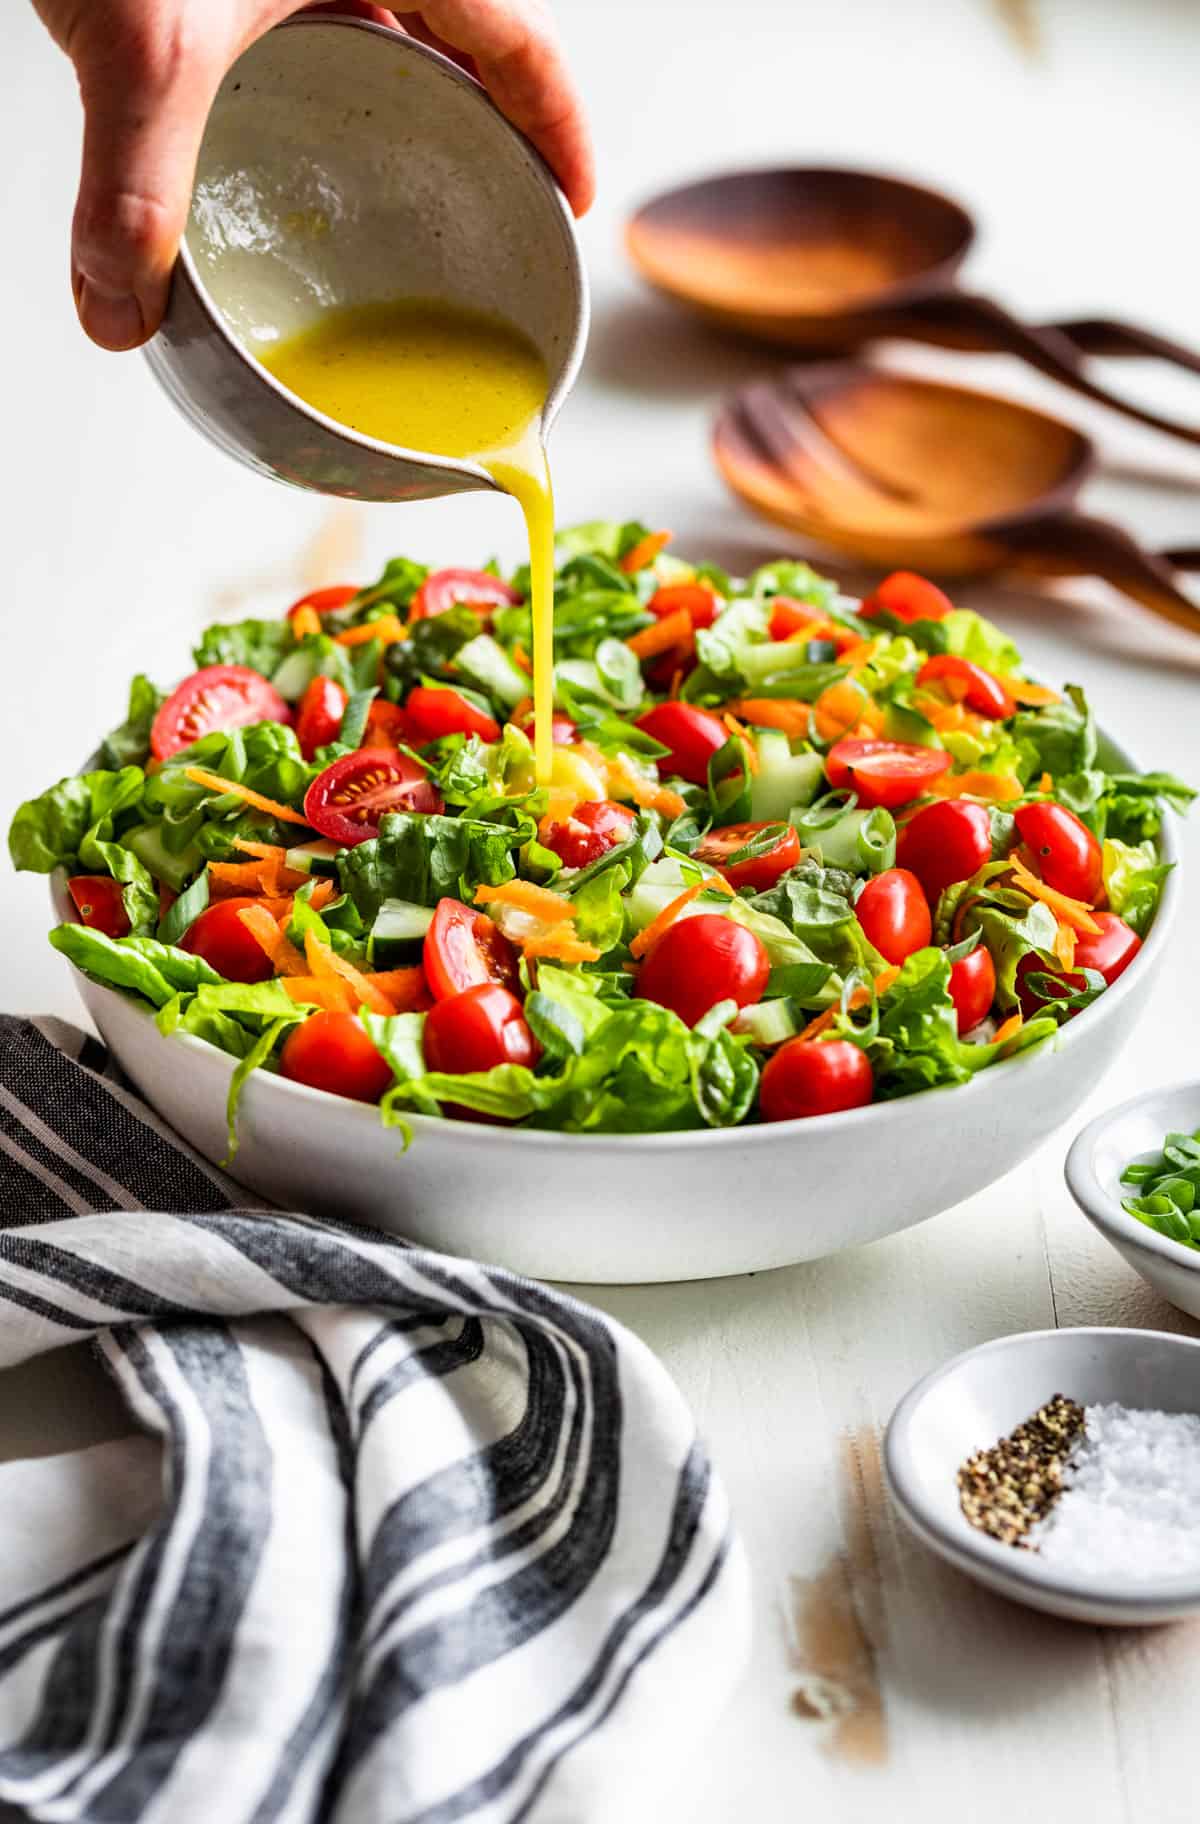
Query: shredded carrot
column 840, row 708
column 645, row 940
column 676, row 681
column 859, row 654
column 560, row 947
column 214, row 783
column 1010, row 1028
column 524, row 708
column 673, row 630
column 306, row 620
column 860, row 997
column 1068, row 911
column 326, row 992
column 1064, row 946
column 265, row 851
column 263, row 928
column 1045, row 784
column 644, row 552
column 1033, row 696
column 871, row 719
column 522, row 660
column 745, row 737
column 812, row 630
column 992, row 788
column 786, row 713
column 550, row 907
column 644, row 792
column 324, row 961
column 406, row 989
column 388, row 627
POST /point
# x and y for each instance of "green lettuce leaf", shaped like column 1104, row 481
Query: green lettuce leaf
column 1133, row 878
column 129, row 745
column 259, row 644
column 157, row 972
column 427, row 858
column 47, row 832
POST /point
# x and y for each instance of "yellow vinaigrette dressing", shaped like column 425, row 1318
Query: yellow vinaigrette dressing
column 453, row 382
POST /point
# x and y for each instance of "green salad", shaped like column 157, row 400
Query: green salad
column 797, row 853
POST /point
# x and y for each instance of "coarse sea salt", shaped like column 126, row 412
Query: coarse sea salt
column 1131, row 1501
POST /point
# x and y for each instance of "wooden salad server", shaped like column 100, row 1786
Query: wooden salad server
column 831, row 260
column 914, row 474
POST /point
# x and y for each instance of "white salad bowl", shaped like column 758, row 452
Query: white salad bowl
column 1135, row 1130
column 983, row 1395
column 635, row 1208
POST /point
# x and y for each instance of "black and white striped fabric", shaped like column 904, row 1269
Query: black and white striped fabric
column 401, row 1537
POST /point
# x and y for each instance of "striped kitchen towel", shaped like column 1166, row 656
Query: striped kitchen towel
column 401, row 1537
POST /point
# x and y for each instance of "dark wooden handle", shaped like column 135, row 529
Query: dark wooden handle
column 1073, row 544
column 960, row 319
column 1105, row 336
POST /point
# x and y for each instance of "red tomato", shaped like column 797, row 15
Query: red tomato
column 815, row 1077
column 968, row 683
column 699, row 600
column 325, row 601
column 562, row 730
column 217, row 696
column 589, row 832
column 944, row 843
column 973, row 987
column 1062, row 849
column 908, row 598
column 692, row 735
column 1110, row 952
column 890, row 773
column 464, row 949
column 476, row 1030
column 320, row 715
column 700, row 961
column 219, row 936
column 99, row 903
column 789, row 617
column 347, row 800
column 385, row 725
column 444, row 589
column 894, row 912
column 432, row 713
column 331, row 1051
column 760, row 871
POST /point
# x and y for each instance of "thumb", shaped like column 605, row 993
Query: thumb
column 146, row 96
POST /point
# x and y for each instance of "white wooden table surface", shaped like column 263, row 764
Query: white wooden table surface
column 123, row 533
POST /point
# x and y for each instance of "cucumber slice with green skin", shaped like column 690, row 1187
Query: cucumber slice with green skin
column 170, row 869
column 318, row 857
column 487, row 664
column 909, row 726
column 398, row 932
column 770, row 1022
column 784, row 780
column 293, row 675
column 837, row 842
column 660, row 883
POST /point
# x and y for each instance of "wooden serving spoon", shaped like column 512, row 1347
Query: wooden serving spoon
column 913, row 474
column 831, row 260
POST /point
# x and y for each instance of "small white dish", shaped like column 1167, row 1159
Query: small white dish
column 980, row 1397
column 1135, row 1130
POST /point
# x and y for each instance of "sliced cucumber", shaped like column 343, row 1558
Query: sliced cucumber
column 837, row 842
column 770, row 1022
column 784, row 780
column 293, row 675
column 174, row 870
column 487, row 664
column 901, row 723
column 398, row 932
column 660, row 883
column 317, row 857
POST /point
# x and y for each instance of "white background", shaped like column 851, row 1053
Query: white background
column 124, row 533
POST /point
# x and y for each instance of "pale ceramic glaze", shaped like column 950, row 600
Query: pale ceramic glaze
column 981, row 1396
column 343, row 163
column 1135, row 1130
column 614, row 1208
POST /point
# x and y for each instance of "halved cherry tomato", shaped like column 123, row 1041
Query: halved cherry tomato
column 444, row 589
column 347, row 800
column 700, row 961
column 815, row 1077
column 385, row 726
column 894, row 912
column 758, row 871
column 590, row 831
column 944, row 843
column 887, row 773
column 331, row 1051
column 692, row 735
column 219, row 936
column 562, row 730
column 476, row 1030
column 320, row 715
column 463, row 949
column 972, row 987
column 99, row 903
column 908, row 598
column 324, row 601
column 969, row 683
column 216, row 696
column 699, row 600
column 432, row 713
column 789, row 617
column 1110, row 953
column 1062, row 850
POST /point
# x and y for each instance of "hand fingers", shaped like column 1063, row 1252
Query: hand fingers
column 522, row 65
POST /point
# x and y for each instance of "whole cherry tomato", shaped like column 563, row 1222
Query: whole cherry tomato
column 220, row 937
column 720, row 847
column 385, row 726
column 1109, row 952
column 973, row 987
column 432, row 712
column 1063, row 850
column 815, row 1077
column 590, row 831
column 331, row 1051
column 476, row 1030
column 888, row 773
column 464, row 949
column 700, row 961
column 894, row 912
column 908, row 598
column 99, row 903
column 320, row 715
column 692, row 735
column 969, row 683
column 945, row 843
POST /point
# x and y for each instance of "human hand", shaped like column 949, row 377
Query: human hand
column 148, row 71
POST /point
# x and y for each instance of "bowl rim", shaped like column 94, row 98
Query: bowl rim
column 573, row 358
column 1105, row 1212
column 974, row 1551
column 686, row 1140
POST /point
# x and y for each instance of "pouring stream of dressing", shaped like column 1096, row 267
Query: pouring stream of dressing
column 454, row 382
